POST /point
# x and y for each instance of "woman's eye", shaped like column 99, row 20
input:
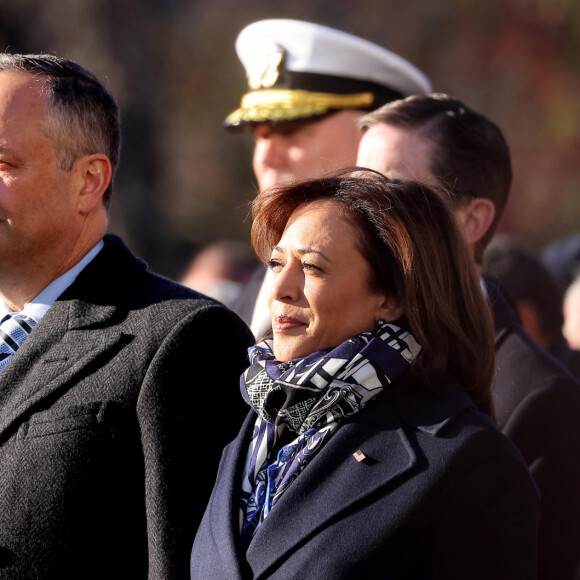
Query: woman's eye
column 274, row 264
column 311, row 267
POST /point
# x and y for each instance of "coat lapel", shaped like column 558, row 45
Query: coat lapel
column 75, row 331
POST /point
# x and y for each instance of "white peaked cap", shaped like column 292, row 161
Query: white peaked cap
column 316, row 59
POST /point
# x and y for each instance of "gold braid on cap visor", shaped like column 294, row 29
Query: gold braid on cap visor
column 286, row 105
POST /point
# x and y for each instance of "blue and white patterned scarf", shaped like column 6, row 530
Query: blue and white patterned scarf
column 310, row 397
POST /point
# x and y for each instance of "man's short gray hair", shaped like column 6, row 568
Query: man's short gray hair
column 82, row 115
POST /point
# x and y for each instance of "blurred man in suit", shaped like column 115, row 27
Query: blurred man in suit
column 440, row 141
column 106, row 455
column 307, row 87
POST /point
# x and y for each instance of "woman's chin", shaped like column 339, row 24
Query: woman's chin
column 286, row 349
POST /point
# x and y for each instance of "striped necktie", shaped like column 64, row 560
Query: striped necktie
column 14, row 329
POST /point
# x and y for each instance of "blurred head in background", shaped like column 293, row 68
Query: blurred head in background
column 220, row 270
column 536, row 296
column 562, row 258
column 442, row 142
column 571, row 328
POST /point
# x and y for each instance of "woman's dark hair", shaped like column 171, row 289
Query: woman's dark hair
column 416, row 253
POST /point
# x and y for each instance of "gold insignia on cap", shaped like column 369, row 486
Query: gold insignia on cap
column 289, row 105
column 267, row 75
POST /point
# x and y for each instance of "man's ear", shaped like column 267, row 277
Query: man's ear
column 475, row 218
column 95, row 173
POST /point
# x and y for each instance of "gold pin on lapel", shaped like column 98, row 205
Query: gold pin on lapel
column 359, row 455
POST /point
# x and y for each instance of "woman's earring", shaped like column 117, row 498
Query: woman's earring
column 380, row 322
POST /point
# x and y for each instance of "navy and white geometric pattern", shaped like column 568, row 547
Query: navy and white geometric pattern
column 14, row 330
column 310, row 397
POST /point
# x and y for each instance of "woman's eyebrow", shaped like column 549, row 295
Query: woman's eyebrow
column 304, row 251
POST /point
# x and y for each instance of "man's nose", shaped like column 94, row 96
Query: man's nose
column 270, row 151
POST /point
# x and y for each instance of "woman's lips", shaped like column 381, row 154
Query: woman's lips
column 282, row 323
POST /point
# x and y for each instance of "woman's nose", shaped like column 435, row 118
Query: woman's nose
column 287, row 284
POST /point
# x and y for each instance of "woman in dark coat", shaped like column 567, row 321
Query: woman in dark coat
column 370, row 449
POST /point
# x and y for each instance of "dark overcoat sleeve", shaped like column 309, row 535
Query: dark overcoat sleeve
column 188, row 409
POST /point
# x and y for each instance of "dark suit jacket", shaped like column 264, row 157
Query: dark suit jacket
column 537, row 405
column 107, row 447
column 441, row 495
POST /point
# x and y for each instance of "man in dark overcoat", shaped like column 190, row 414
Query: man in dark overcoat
column 107, row 371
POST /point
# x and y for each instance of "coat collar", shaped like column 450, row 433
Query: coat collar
column 61, row 345
column 380, row 431
column 103, row 288
column 505, row 314
column 430, row 411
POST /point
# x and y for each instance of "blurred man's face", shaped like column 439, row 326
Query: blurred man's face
column 404, row 154
column 397, row 153
column 571, row 329
column 298, row 151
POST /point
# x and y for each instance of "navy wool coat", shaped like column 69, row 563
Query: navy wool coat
column 441, row 494
column 102, row 422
